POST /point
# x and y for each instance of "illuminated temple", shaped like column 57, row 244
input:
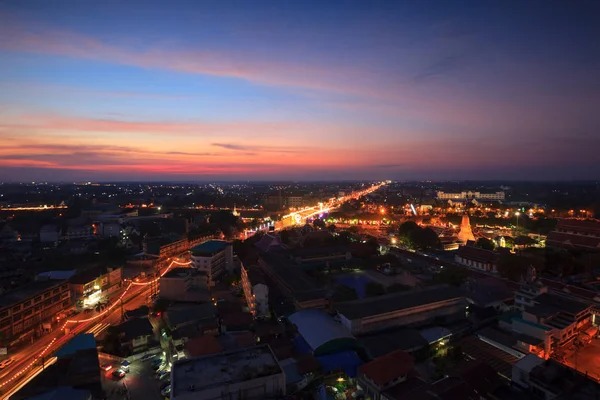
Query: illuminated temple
column 465, row 234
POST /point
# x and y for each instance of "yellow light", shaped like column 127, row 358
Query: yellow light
column 340, row 379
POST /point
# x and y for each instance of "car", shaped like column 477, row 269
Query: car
column 165, row 384
column 6, row 363
column 148, row 357
column 119, row 373
column 166, row 391
column 125, row 368
column 106, row 367
column 162, row 375
column 157, row 361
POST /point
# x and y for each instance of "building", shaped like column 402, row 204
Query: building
column 165, row 247
column 256, row 292
column 251, row 374
column 91, row 286
column 477, row 258
column 465, row 234
column 384, row 372
column 215, row 257
column 80, row 232
column 135, row 334
column 185, row 285
column 294, row 201
column 576, row 234
column 497, row 196
column 293, row 282
column 29, row 310
column 110, row 230
column 547, row 380
column 321, row 333
column 50, row 234
column 440, row 303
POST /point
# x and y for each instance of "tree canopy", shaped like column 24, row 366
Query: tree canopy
column 485, row 243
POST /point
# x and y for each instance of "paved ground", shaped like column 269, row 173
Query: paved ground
column 586, row 359
column 140, row 383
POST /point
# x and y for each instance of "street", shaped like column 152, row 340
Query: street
column 22, row 370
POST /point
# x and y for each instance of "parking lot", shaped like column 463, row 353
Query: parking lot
column 140, row 382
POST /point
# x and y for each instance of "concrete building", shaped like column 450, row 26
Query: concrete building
column 403, row 309
column 185, row 285
column 110, row 230
column 50, row 234
column 256, row 292
column 294, row 201
column 29, row 310
column 214, row 257
column 80, row 232
column 469, row 195
column 250, row 374
column 165, row 247
column 293, row 282
column 94, row 284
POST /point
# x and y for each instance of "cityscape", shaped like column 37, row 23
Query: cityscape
column 303, row 200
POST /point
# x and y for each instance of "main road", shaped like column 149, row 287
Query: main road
column 29, row 359
column 300, row 216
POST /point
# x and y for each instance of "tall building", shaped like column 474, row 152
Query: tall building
column 256, row 292
column 465, row 234
column 214, row 257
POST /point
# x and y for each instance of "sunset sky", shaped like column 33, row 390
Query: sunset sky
column 224, row 90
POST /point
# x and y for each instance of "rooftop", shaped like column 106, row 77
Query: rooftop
column 476, row 254
column 318, row 328
column 202, row 373
column 397, row 301
column 550, row 304
column 382, row 343
column 209, row 248
column 23, row 293
column 182, row 272
column 88, row 275
column 388, row 368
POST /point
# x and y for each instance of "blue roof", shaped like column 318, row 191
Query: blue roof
column 317, row 327
column 212, row 246
column 63, row 392
column 83, row 341
column 58, row 275
column 348, row 361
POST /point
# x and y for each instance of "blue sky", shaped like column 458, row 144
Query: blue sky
column 305, row 90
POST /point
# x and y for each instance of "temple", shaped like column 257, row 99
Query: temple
column 465, row 234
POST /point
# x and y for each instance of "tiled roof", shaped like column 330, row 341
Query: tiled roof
column 578, row 225
column 572, row 240
column 203, row 345
column 387, row 368
column 476, row 254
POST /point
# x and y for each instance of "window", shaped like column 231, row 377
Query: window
column 55, row 291
column 27, row 303
column 4, row 314
column 16, row 308
column 47, row 295
column 17, row 317
column 38, row 299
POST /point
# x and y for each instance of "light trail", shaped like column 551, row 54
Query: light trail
column 34, row 373
column 71, row 321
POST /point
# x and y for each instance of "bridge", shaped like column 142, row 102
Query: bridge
column 299, row 217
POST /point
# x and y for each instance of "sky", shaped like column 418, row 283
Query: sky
column 306, row 90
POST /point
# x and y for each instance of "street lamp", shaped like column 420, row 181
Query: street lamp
column 517, row 215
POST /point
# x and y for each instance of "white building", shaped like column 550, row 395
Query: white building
column 256, row 292
column 251, row 373
column 80, row 232
column 497, row 196
column 215, row 257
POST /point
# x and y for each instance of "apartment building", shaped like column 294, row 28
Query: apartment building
column 29, row 310
column 214, row 257
column 256, row 292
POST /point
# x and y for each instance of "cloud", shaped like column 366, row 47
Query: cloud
column 268, row 149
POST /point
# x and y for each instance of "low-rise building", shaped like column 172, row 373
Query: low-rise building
column 91, row 286
column 50, row 234
column 29, row 310
column 440, row 303
column 185, row 285
column 215, row 257
column 384, row 372
column 251, row 373
column 165, row 247
column 136, row 334
column 477, row 258
column 469, row 195
column 256, row 292
column 583, row 235
column 80, row 232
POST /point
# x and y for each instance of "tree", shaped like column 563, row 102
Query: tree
column 513, row 267
column 425, row 239
column 406, row 228
column 374, row 289
column 485, row 243
column 332, row 228
column 344, row 293
column 161, row 305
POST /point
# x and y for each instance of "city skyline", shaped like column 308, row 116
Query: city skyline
column 197, row 92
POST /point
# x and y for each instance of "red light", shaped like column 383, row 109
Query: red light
column 158, row 314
